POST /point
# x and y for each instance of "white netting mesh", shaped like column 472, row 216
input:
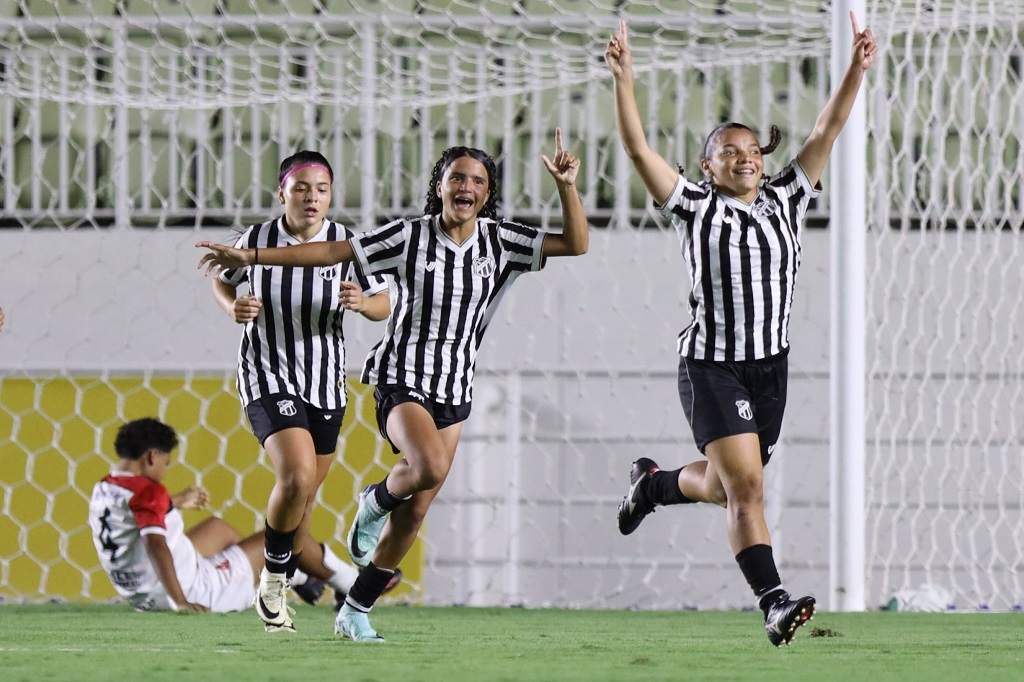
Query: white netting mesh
column 130, row 114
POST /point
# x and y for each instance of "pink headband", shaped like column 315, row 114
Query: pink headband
column 306, row 165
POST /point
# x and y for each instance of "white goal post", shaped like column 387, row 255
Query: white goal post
column 131, row 128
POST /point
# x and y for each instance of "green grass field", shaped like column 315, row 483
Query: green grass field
column 105, row 642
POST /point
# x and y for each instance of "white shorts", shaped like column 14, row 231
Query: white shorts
column 225, row 582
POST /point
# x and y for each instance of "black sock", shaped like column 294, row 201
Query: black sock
column 385, row 500
column 368, row 587
column 663, row 488
column 277, row 549
column 758, row 566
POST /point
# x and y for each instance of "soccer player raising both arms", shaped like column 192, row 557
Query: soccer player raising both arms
column 291, row 369
column 740, row 235
column 447, row 272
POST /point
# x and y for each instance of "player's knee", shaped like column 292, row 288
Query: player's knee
column 431, row 471
column 297, row 483
column 745, row 492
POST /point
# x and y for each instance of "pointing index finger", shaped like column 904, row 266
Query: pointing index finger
column 622, row 30
column 558, row 142
column 856, row 28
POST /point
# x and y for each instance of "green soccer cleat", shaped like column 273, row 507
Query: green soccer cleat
column 356, row 626
column 364, row 534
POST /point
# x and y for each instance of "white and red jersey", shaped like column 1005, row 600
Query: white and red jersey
column 123, row 509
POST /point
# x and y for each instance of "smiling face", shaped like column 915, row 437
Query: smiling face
column 306, row 196
column 464, row 188
column 735, row 164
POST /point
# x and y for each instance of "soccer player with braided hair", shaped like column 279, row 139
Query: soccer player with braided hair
column 447, row 272
column 740, row 234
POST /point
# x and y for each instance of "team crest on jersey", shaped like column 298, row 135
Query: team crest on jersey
column 286, row 408
column 328, row 273
column 762, row 207
column 483, row 266
column 743, row 409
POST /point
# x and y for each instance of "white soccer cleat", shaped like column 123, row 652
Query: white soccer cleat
column 272, row 602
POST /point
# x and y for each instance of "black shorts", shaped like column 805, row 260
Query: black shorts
column 729, row 398
column 279, row 411
column 389, row 396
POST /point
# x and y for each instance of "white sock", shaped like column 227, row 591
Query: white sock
column 344, row 574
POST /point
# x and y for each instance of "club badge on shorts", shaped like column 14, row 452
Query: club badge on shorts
column 286, row 408
column 743, row 409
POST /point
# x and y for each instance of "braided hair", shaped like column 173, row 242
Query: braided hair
column 490, row 209
column 774, row 137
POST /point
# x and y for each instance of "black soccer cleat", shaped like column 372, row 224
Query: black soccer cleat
column 635, row 505
column 785, row 616
column 310, row 591
column 339, row 596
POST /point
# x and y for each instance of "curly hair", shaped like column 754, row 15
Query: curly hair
column 490, row 209
column 135, row 438
column 774, row 137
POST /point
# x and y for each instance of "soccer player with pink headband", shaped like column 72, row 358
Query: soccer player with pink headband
column 291, row 368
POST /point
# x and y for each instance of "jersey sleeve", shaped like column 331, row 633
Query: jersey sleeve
column 684, row 198
column 522, row 245
column 372, row 285
column 150, row 506
column 792, row 180
column 380, row 251
column 236, row 276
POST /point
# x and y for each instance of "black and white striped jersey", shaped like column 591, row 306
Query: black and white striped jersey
column 296, row 344
column 743, row 262
column 443, row 296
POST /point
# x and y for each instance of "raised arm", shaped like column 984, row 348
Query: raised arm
column 575, row 237
column 816, row 150
column 657, row 175
column 300, row 255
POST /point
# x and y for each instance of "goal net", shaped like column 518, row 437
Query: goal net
column 131, row 128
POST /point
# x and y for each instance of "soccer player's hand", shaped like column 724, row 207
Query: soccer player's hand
column 189, row 606
column 617, row 55
column 222, row 256
column 864, row 45
column 564, row 167
column 194, row 497
column 352, row 298
column 246, row 308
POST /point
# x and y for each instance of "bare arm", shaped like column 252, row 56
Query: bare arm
column 657, row 175
column 816, row 150
column 300, row 255
column 160, row 556
column 575, row 237
column 193, row 497
column 241, row 309
column 376, row 307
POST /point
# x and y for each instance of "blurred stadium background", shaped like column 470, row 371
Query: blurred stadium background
column 131, row 128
